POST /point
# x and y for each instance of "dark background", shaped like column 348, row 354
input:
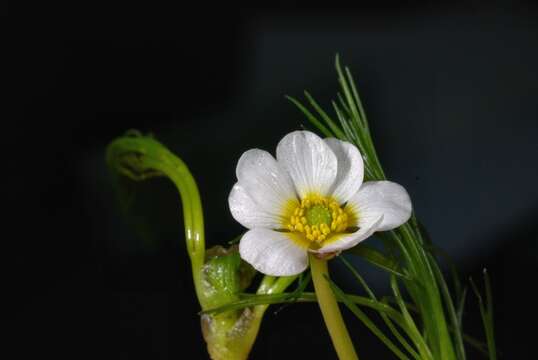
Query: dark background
column 451, row 92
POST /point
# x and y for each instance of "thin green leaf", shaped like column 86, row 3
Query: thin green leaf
column 480, row 346
column 248, row 300
column 348, row 135
column 451, row 311
column 343, row 104
column 366, row 320
column 345, row 88
column 435, row 250
column 378, row 259
column 356, row 97
column 352, row 137
column 398, row 336
column 461, row 306
column 383, row 315
column 322, row 128
column 332, row 125
column 357, row 116
column 420, row 342
column 486, row 311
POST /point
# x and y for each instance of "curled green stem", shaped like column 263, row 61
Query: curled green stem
column 141, row 157
column 229, row 335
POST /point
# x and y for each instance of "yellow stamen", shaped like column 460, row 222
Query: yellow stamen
column 317, row 218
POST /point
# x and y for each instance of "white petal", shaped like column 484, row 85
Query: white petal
column 368, row 226
column 246, row 212
column 382, row 197
column 265, row 182
column 272, row 253
column 310, row 162
column 350, row 169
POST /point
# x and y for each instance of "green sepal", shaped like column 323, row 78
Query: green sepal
column 225, row 275
column 230, row 334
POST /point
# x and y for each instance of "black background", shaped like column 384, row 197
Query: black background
column 451, row 92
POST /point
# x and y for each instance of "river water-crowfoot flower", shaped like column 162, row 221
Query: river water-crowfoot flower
column 311, row 198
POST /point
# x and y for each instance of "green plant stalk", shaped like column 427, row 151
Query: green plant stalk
column 141, row 157
column 330, row 310
column 229, row 335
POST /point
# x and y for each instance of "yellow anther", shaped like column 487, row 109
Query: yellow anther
column 317, row 217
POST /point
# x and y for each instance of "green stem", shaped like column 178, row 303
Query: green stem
column 330, row 310
column 271, row 285
column 141, row 157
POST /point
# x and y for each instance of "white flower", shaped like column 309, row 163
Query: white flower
column 310, row 199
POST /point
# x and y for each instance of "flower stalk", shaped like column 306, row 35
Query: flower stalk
column 330, row 310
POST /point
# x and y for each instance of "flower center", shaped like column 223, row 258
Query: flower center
column 317, row 217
